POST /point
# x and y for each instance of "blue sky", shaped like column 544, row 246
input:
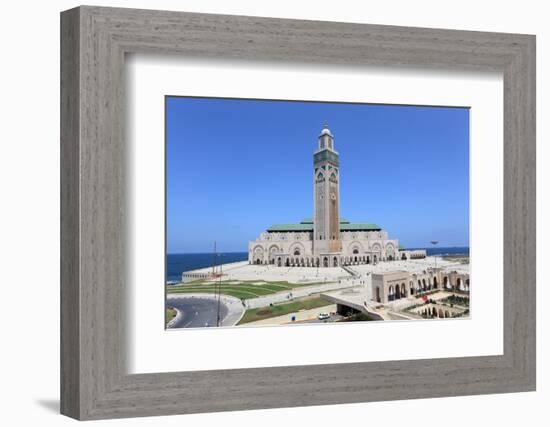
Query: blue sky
column 235, row 167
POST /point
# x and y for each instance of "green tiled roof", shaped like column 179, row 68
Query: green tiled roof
column 310, row 221
column 291, row 227
column 307, row 225
column 359, row 227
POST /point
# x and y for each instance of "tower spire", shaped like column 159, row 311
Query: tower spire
column 326, row 190
column 326, row 139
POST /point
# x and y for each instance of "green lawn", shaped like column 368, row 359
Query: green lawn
column 281, row 309
column 243, row 289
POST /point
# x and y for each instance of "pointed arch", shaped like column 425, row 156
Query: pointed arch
column 376, row 247
column 297, row 249
column 355, row 247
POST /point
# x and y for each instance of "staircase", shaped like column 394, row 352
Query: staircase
column 350, row 271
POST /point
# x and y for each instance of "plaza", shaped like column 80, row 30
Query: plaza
column 387, row 290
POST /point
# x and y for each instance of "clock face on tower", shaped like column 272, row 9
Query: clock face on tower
column 332, row 196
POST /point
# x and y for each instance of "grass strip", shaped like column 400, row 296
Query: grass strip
column 275, row 310
column 170, row 314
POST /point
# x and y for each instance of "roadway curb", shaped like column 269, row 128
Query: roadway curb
column 242, row 315
column 206, row 295
column 175, row 319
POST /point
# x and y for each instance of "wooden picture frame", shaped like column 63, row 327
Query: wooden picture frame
column 94, row 41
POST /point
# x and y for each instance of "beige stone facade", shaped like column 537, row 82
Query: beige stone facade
column 394, row 285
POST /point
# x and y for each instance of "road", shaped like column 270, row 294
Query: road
column 197, row 312
column 332, row 318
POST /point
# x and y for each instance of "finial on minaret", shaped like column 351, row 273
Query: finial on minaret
column 326, row 130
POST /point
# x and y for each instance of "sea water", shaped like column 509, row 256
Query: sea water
column 176, row 264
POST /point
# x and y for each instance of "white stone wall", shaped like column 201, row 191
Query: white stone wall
column 364, row 235
column 392, row 286
column 269, row 246
column 299, row 248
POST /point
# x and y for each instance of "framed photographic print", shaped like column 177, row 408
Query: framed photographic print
column 299, row 212
column 323, row 269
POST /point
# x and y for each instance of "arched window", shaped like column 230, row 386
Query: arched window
column 296, row 252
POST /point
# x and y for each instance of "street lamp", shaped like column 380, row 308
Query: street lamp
column 220, row 256
column 435, row 242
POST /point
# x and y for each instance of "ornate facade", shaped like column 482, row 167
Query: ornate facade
column 326, row 240
column 394, row 285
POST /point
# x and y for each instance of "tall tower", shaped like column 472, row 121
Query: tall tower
column 326, row 193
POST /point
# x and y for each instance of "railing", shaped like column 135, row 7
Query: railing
column 350, row 271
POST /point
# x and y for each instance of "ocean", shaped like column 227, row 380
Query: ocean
column 178, row 263
column 455, row 250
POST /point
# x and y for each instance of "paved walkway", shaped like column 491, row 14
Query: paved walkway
column 243, row 271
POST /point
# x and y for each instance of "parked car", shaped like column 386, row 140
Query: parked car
column 323, row 316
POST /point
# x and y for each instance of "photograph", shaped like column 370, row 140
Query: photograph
column 299, row 212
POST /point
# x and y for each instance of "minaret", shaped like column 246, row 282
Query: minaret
column 326, row 193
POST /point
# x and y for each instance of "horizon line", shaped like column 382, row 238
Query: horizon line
column 239, row 252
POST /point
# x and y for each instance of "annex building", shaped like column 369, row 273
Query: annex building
column 327, row 240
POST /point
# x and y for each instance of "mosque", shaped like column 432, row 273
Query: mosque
column 327, row 240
